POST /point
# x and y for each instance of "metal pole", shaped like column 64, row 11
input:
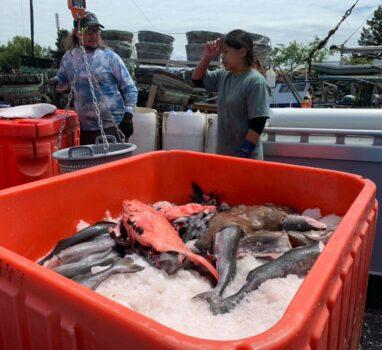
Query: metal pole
column 32, row 26
column 57, row 22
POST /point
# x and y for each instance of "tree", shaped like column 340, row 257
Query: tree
column 62, row 35
column 295, row 54
column 372, row 34
column 357, row 59
column 16, row 47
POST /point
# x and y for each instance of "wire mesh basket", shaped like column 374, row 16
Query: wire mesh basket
column 81, row 157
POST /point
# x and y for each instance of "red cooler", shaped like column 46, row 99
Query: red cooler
column 26, row 146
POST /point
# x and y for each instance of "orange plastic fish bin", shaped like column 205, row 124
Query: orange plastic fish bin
column 26, row 147
column 40, row 309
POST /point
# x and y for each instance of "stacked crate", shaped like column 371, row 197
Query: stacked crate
column 154, row 45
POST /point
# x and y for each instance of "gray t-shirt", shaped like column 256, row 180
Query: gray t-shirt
column 240, row 98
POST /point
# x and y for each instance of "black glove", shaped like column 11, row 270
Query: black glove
column 49, row 86
column 126, row 125
column 246, row 149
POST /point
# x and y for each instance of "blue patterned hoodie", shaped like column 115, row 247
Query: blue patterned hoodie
column 118, row 91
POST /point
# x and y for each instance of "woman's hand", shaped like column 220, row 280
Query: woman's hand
column 212, row 49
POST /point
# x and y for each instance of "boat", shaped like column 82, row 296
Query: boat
column 347, row 69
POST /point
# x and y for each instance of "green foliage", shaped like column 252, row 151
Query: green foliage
column 19, row 46
column 358, row 60
column 372, row 34
column 62, row 35
column 296, row 54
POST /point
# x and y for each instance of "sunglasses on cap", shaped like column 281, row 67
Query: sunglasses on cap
column 88, row 30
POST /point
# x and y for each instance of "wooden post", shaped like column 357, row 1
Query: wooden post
column 152, row 94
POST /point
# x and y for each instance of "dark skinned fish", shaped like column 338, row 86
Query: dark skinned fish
column 84, row 235
column 84, row 265
column 125, row 265
column 301, row 223
column 248, row 218
column 225, row 249
column 297, row 261
column 265, row 244
column 78, row 251
column 193, row 227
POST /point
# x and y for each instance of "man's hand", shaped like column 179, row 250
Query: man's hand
column 246, row 149
column 126, row 125
column 49, row 86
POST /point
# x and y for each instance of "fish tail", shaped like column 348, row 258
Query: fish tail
column 204, row 262
column 213, row 298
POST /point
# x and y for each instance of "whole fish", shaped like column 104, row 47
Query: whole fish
column 84, row 235
column 248, row 218
column 301, row 223
column 145, row 225
column 297, row 261
column 254, row 218
column 125, row 265
column 225, row 248
column 265, row 244
column 84, row 265
column 78, row 251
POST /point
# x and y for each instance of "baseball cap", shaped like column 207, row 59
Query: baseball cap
column 88, row 20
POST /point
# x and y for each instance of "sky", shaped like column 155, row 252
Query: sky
column 283, row 21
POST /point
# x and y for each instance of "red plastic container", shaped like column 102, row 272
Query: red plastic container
column 40, row 309
column 26, row 147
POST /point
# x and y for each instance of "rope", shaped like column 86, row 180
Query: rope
column 346, row 41
column 144, row 15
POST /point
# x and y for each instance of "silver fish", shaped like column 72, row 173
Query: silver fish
column 78, row 251
column 225, row 249
column 84, row 265
column 296, row 261
column 84, row 235
column 125, row 265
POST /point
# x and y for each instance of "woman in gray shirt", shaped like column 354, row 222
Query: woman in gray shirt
column 243, row 94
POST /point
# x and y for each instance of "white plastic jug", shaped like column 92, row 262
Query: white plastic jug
column 183, row 131
column 145, row 130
